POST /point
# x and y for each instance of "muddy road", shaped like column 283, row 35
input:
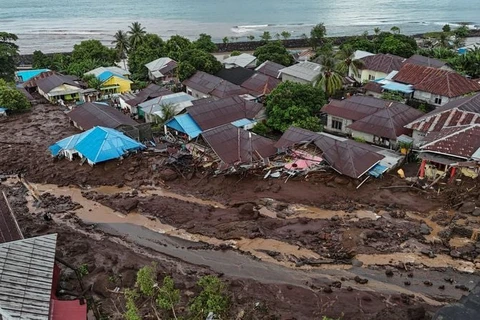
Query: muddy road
column 311, row 243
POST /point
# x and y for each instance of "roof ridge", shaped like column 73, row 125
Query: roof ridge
column 467, row 127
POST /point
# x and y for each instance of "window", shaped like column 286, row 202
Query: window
column 371, row 77
column 438, row 100
column 189, row 92
column 337, row 124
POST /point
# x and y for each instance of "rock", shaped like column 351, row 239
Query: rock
column 276, row 188
column 468, row 207
column 246, row 209
column 336, row 284
column 279, row 206
column 327, row 290
column 416, row 312
column 357, row 263
column 461, row 287
column 100, row 286
column 442, row 287
column 410, row 275
column 360, row 280
column 427, row 283
column 449, row 280
column 407, row 283
column 341, row 181
column 281, row 215
column 167, row 175
column 389, row 273
column 128, row 278
column 476, row 212
column 349, row 288
column 127, row 205
column 425, row 229
column 128, row 177
column 455, row 254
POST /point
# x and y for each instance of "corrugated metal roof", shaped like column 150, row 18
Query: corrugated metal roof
column 180, row 100
column 150, row 92
column 104, row 76
column 72, row 309
column 260, row 84
column 49, row 83
column 212, row 85
column 463, row 111
column 235, row 75
column 90, row 114
column 26, row 75
column 437, row 81
column 461, row 141
column 271, row 69
column 115, row 70
column 242, row 60
column 400, row 87
column 388, row 122
column 355, row 107
column 425, row 61
column 242, row 122
column 26, row 274
column 161, row 64
column 293, row 136
column 9, row 229
column 32, row 83
column 380, row 62
column 98, row 144
column 219, row 112
column 234, row 145
column 306, row 70
column 184, row 123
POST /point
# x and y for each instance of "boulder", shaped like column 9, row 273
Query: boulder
column 476, row 212
column 425, row 229
column 167, row 175
column 246, row 209
column 341, row 181
column 468, row 207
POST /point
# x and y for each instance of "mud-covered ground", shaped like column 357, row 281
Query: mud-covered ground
column 406, row 241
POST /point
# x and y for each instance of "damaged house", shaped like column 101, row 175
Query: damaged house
column 204, row 85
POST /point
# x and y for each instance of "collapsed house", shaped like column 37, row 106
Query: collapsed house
column 96, row 145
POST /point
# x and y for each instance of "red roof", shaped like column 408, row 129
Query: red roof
column 463, row 111
column 461, row 141
column 9, row 229
column 355, row 107
column 437, row 81
column 68, row 309
column 213, row 85
column 260, row 84
column 373, row 86
column 380, row 62
column 270, row 68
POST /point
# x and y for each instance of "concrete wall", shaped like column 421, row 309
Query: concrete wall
column 195, row 93
column 123, row 83
column 430, row 98
column 287, row 77
column 345, row 123
column 370, row 138
column 364, row 75
column 417, row 137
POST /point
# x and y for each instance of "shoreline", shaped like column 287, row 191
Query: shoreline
column 26, row 60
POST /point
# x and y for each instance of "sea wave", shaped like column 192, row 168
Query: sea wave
column 262, row 27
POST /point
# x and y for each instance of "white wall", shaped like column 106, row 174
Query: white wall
column 364, row 75
column 287, row 77
column 417, row 137
column 362, row 135
column 430, row 98
column 197, row 94
column 345, row 123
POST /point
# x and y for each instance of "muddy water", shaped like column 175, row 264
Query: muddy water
column 317, row 213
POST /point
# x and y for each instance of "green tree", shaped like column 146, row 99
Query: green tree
column 286, row 35
column 176, row 46
column 393, row 96
column 462, row 31
column 347, row 62
column 266, row 36
column 169, row 111
column 225, row 40
column 60, row 62
column 132, row 312
column 395, row 30
column 317, row 35
column 399, row 45
column 212, row 298
column 443, row 40
column 360, row 43
column 291, row 103
column 251, row 37
column 205, row 43
column 78, row 68
column 235, row 53
column 151, row 48
column 468, row 63
column 310, row 123
column 168, row 297
column 146, row 280
column 377, row 30
column 329, row 79
column 121, row 43
column 446, row 28
column 185, row 70
column 41, row 60
column 11, row 98
column 136, row 34
column 93, row 50
column 201, row 60
column 8, row 56
column 273, row 51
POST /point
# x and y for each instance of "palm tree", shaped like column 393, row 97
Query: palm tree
column 395, row 29
column 377, row 30
column 121, row 45
column 136, row 32
column 329, row 79
column 168, row 112
column 286, row 35
column 345, row 56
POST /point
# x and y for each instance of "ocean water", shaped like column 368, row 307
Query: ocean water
column 56, row 25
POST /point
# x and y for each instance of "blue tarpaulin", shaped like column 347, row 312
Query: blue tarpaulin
column 377, row 170
column 97, row 144
column 26, row 75
column 184, row 123
column 394, row 86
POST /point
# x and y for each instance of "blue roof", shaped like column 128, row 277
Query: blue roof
column 98, row 144
column 242, row 122
column 104, row 76
column 394, row 86
column 185, row 123
column 3, row 109
column 377, row 170
column 26, row 75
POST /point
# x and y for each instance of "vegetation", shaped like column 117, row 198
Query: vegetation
column 317, row 35
column 83, row 270
column 393, row 96
column 330, row 80
column 11, row 98
column 468, row 63
column 273, row 51
column 212, row 298
column 266, row 36
column 346, row 62
column 152, row 47
column 8, row 56
column 136, row 33
column 205, row 43
column 199, row 60
column 286, row 35
column 235, row 53
column 294, row 104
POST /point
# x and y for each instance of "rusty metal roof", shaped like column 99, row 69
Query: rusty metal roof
column 460, row 141
column 293, row 136
column 33, row 81
column 463, row 111
column 437, row 81
column 388, row 122
column 425, row 61
column 235, row 145
column 373, row 87
column 380, row 62
column 213, row 85
column 235, row 75
column 51, row 82
column 347, row 157
column 355, row 107
column 9, row 229
column 150, row 92
column 91, row 114
column 260, row 84
column 215, row 113
column 271, row 69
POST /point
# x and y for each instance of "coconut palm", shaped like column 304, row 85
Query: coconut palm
column 121, row 45
column 346, row 61
column 136, row 32
column 168, row 112
column 377, row 30
column 329, row 79
column 395, row 30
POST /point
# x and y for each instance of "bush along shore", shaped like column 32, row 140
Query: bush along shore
column 27, row 59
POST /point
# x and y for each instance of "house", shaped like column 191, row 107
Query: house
column 435, row 86
column 444, row 151
column 25, row 75
column 271, row 69
column 163, row 69
column 420, row 60
column 59, row 87
column 114, row 80
column 243, row 60
column 235, row 75
column 377, row 66
column 31, row 84
column 96, row 145
column 204, row 85
column 459, row 112
column 260, row 84
column 151, row 109
column 129, row 101
column 229, row 146
column 378, row 87
column 303, row 55
column 303, row 72
column 91, row 114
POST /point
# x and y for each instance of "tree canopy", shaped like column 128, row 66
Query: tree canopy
column 93, row 50
column 205, row 43
column 199, row 60
column 11, row 98
column 8, row 55
column 294, row 104
column 317, row 34
column 151, row 48
column 273, row 51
